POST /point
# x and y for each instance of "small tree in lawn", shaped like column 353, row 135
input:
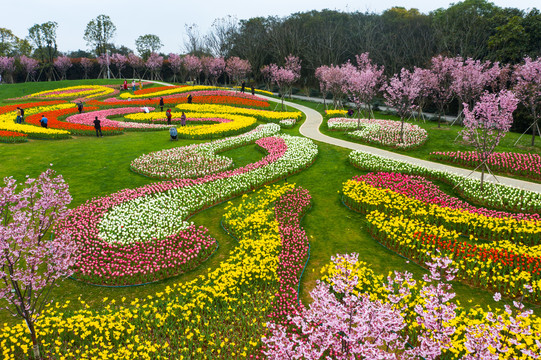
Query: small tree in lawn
column 487, row 123
column 401, row 93
column 284, row 77
column 120, row 62
column 136, row 64
column 175, row 63
column 62, row 65
column 30, row 263
column 87, row 65
column 237, row 69
column 363, row 82
column 426, row 81
column 528, row 89
column 331, row 80
column 7, row 67
column 216, row 68
column 154, row 64
column 29, row 66
column 193, row 66
column 442, row 93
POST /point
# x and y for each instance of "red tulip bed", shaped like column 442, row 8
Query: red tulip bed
column 12, row 137
column 526, row 165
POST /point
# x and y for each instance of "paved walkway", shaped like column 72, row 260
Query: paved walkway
column 310, row 129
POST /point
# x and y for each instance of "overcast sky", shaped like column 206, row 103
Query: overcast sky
column 166, row 18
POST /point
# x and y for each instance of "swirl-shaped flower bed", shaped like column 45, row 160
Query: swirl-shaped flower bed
column 159, row 210
column 196, row 160
column 88, row 119
column 79, row 91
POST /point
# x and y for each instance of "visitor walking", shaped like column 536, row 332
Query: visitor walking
column 18, row 119
column 190, row 99
column 22, row 114
column 133, row 85
column 183, row 119
column 243, row 87
column 43, row 121
column 253, row 91
column 168, row 115
column 161, row 103
column 80, row 107
column 140, row 84
column 97, row 126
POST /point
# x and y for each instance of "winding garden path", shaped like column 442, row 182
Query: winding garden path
column 310, row 129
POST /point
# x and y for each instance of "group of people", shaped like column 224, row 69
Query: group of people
column 243, row 88
column 124, row 86
column 20, row 115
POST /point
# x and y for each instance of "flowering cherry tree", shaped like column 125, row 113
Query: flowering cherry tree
column 487, row 123
column 7, row 66
column 30, row 263
column 192, row 65
column 62, row 65
column 401, row 93
column 442, row 68
column 120, row 62
column 426, row 81
column 331, row 80
column 136, row 63
column 528, row 90
column 363, row 82
column 29, row 66
column 87, row 65
column 284, row 77
column 175, row 63
column 216, row 68
column 154, row 64
column 237, row 69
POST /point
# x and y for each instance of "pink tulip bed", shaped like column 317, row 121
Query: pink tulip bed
column 177, row 120
column 196, row 160
column 380, row 132
column 289, row 209
column 424, row 190
column 527, row 165
column 123, row 236
column 88, row 119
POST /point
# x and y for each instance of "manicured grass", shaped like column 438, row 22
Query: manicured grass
column 97, row 167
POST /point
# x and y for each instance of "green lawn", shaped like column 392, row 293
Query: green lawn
column 100, row 166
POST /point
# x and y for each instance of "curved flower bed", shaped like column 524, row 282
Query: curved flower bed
column 335, row 113
column 174, row 90
column 7, row 121
column 495, row 269
column 294, row 253
column 365, row 197
column 81, row 91
column 198, row 97
column 88, row 118
column 160, row 210
column 12, row 137
column 527, row 165
column 74, row 129
column 196, row 160
column 381, row 132
column 236, row 295
column 224, row 124
column 263, row 115
column 497, row 196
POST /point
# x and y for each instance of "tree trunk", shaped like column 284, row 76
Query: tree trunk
column 402, row 130
column 534, row 128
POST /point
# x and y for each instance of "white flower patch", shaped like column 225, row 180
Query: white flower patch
column 287, row 123
column 163, row 214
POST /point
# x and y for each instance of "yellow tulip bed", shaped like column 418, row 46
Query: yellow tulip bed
column 80, row 91
column 466, row 319
column 7, row 122
column 223, row 124
column 415, row 225
column 263, row 115
column 162, row 92
column 366, row 198
column 220, row 315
